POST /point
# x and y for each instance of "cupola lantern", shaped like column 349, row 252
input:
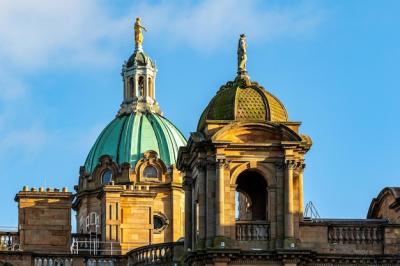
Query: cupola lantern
column 139, row 74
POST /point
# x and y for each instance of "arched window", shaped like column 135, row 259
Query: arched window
column 106, row 177
column 150, row 172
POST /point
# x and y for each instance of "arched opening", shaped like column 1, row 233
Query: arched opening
column 141, row 86
column 251, row 196
column 150, row 85
column 251, row 207
column 131, row 87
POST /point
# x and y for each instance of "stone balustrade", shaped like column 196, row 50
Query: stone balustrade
column 101, row 262
column 344, row 236
column 165, row 253
column 53, row 261
column 358, row 234
column 252, row 230
column 9, row 241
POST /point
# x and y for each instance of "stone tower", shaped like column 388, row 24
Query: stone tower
column 44, row 220
column 243, row 170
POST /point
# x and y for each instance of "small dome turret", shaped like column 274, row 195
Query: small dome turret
column 242, row 99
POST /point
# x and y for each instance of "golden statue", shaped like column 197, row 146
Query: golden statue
column 242, row 55
column 138, row 33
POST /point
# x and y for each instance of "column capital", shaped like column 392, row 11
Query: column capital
column 294, row 164
column 222, row 162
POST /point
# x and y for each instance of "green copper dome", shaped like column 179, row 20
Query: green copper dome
column 128, row 136
column 243, row 100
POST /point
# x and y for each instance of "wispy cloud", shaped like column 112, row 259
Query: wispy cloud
column 36, row 33
column 207, row 25
column 39, row 35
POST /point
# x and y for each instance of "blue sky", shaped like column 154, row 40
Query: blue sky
column 334, row 64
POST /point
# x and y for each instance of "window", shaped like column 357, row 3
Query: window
column 150, row 172
column 160, row 222
column 106, row 176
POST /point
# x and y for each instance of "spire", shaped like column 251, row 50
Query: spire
column 138, row 34
column 139, row 74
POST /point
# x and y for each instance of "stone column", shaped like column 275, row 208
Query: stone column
column 154, row 86
column 187, row 186
column 300, row 190
column 210, row 201
column 289, row 226
column 280, row 205
column 220, row 194
column 146, row 86
column 201, row 168
column 136, row 86
column 193, row 206
column 272, row 215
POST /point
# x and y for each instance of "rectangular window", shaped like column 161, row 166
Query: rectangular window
column 116, row 211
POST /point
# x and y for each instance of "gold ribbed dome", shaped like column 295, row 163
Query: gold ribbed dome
column 243, row 100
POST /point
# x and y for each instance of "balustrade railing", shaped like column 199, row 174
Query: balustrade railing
column 156, row 254
column 252, row 230
column 9, row 241
column 53, row 261
column 357, row 234
column 101, row 262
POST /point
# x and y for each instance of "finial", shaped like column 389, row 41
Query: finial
column 138, row 34
column 242, row 55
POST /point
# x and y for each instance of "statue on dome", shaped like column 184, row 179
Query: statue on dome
column 242, row 55
column 138, row 33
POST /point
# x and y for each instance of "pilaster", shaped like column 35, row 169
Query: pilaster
column 187, row 186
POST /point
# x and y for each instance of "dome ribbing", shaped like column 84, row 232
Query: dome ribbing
column 127, row 137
